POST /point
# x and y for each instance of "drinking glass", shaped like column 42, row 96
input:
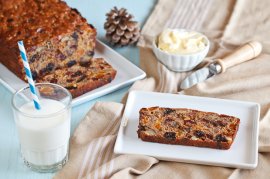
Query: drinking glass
column 43, row 134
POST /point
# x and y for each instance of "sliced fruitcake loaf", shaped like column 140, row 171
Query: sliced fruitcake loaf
column 54, row 36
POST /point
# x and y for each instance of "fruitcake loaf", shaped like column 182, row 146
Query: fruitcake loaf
column 55, row 36
column 187, row 127
column 81, row 78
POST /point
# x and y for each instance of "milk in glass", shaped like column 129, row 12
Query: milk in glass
column 44, row 134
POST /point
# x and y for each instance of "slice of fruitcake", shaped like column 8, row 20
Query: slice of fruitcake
column 187, row 127
column 81, row 78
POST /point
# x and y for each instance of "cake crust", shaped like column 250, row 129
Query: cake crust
column 187, row 127
column 37, row 20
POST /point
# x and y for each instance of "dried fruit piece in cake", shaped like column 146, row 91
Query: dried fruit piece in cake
column 187, row 127
column 81, row 78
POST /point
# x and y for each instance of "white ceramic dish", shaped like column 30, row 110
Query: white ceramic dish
column 183, row 62
column 242, row 154
column 127, row 73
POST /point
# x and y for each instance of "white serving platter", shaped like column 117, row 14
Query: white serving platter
column 127, row 73
column 242, row 154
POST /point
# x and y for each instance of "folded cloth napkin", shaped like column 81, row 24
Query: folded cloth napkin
column 228, row 24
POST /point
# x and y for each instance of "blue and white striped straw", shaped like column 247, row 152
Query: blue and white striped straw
column 29, row 75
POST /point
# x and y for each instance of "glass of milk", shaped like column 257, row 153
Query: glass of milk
column 43, row 134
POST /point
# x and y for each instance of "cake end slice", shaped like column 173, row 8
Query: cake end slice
column 80, row 79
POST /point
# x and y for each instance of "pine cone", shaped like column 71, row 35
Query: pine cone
column 120, row 29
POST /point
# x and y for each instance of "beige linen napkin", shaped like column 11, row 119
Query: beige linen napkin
column 228, row 24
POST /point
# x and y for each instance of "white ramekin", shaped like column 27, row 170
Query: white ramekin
column 178, row 62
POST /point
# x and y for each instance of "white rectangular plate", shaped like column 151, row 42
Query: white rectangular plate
column 127, row 73
column 242, row 154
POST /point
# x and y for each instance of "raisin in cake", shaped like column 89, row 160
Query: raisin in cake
column 187, row 127
column 80, row 79
column 55, row 36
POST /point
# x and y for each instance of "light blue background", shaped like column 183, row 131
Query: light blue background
column 11, row 164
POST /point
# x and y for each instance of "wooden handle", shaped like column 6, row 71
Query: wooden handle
column 242, row 54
